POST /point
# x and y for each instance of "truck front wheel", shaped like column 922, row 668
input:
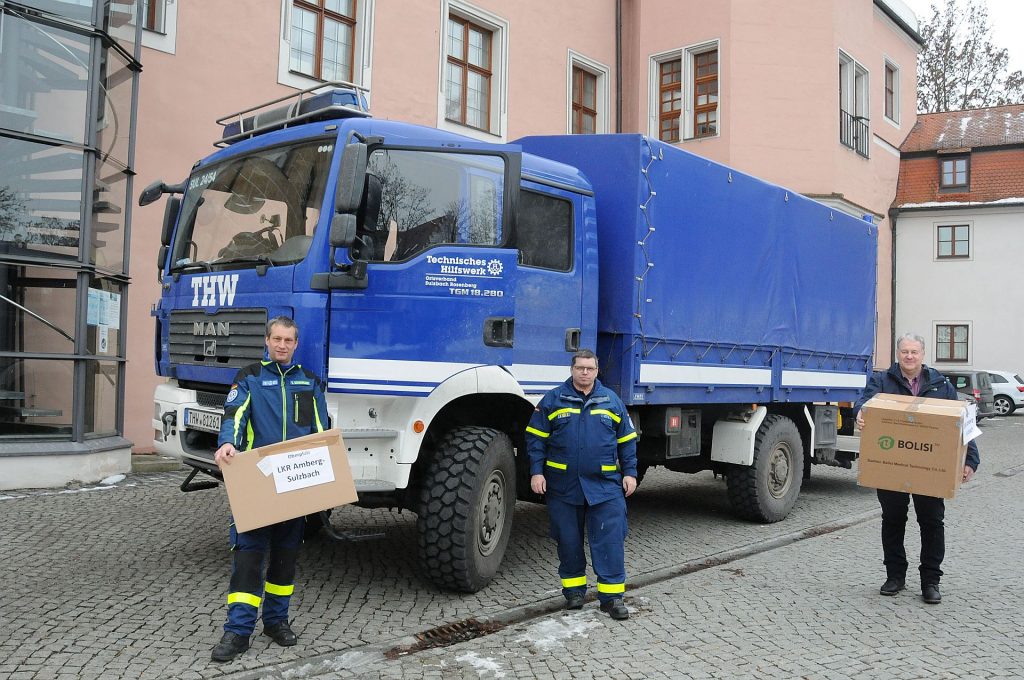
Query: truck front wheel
column 767, row 490
column 465, row 508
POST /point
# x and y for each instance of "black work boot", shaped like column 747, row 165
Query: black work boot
column 281, row 633
column 616, row 609
column 930, row 593
column 230, row 646
column 574, row 601
column 892, row 586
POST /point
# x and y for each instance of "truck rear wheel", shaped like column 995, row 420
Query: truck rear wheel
column 767, row 490
column 465, row 508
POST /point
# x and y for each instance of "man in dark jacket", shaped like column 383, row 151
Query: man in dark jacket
column 582, row 449
column 270, row 401
column 910, row 376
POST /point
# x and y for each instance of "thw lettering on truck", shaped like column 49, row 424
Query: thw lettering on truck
column 217, row 289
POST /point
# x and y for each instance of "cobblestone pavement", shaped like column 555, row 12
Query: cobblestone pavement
column 129, row 581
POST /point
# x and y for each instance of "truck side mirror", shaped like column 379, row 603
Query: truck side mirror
column 151, row 193
column 343, row 230
column 157, row 189
column 161, row 260
column 351, row 173
column 170, row 218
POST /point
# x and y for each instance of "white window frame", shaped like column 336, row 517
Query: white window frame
column 895, row 120
column 689, row 114
column 654, row 92
column 595, row 68
column 855, row 93
column 686, row 56
column 953, row 223
column 361, row 54
column 935, row 343
column 165, row 40
column 498, row 26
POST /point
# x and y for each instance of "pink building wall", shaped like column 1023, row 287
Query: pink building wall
column 778, row 114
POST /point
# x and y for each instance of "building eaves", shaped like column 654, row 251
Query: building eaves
column 888, row 10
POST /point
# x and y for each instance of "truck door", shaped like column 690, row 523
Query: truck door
column 549, row 287
column 439, row 297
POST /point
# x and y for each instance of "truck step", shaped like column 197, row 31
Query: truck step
column 373, row 486
column 845, row 442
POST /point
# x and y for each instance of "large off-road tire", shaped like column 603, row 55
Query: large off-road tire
column 465, row 509
column 767, row 490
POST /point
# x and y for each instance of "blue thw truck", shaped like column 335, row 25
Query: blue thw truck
column 442, row 284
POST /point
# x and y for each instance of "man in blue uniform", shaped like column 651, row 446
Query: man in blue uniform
column 270, row 401
column 582, row 449
column 910, row 376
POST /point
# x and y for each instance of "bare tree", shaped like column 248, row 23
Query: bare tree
column 960, row 67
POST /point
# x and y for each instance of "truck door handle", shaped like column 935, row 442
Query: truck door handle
column 572, row 339
column 499, row 331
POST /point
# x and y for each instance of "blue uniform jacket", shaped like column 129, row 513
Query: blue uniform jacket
column 934, row 385
column 270, row 403
column 582, row 445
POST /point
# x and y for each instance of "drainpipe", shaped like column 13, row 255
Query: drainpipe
column 893, row 212
column 618, row 65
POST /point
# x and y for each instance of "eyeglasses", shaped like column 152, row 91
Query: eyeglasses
column 584, row 369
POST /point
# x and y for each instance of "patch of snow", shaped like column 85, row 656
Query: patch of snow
column 481, row 663
column 553, row 632
column 947, row 204
column 964, row 122
column 112, row 479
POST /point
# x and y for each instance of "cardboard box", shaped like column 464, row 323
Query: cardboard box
column 287, row 480
column 914, row 444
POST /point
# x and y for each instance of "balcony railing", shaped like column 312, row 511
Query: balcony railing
column 853, row 132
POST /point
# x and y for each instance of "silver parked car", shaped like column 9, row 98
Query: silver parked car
column 1007, row 390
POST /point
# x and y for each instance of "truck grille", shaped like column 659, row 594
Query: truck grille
column 210, row 399
column 228, row 339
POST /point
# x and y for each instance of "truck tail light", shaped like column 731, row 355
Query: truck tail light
column 977, row 394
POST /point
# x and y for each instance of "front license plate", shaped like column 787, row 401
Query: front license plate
column 207, row 421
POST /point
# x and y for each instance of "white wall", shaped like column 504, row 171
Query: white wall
column 985, row 290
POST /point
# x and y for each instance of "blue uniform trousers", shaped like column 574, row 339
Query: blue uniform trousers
column 606, row 528
column 280, row 542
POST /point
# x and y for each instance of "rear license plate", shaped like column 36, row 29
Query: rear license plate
column 207, row 421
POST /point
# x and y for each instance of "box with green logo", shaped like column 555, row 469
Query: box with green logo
column 914, row 444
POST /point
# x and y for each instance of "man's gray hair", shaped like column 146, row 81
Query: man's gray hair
column 583, row 354
column 910, row 336
column 285, row 321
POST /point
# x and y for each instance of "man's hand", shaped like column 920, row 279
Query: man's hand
column 538, row 484
column 629, row 485
column 224, row 454
column 968, row 473
column 860, row 419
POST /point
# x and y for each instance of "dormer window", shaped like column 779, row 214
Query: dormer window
column 955, row 172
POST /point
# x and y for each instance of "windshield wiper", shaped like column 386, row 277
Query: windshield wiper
column 249, row 259
column 203, row 264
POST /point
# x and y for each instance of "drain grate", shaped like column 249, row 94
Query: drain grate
column 445, row 636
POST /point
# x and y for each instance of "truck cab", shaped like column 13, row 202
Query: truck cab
column 440, row 286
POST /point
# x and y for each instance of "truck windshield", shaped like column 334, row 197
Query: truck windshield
column 419, row 199
column 257, row 208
